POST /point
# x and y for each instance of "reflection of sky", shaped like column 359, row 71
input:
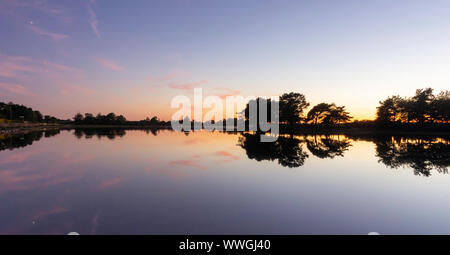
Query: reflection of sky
column 62, row 56
column 204, row 183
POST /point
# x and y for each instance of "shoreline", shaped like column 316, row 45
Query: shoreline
column 19, row 129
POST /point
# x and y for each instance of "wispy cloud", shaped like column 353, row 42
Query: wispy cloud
column 188, row 85
column 109, row 64
column 61, row 68
column 71, row 89
column 13, row 66
column 41, row 32
column 36, row 6
column 223, row 92
column 15, row 89
column 24, row 71
column 157, row 81
column 93, row 21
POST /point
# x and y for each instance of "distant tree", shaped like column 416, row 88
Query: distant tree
column 121, row 119
column 337, row 115
column 328, row 114
column 78, row 118
column 318, row 113
column 393, row 109
column 154, row 121
column 258, row 101
column 89, row 118
column 421, row 105
column 441, row 107
column 291, row 107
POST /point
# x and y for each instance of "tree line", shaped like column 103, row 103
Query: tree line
column 292, row 111
column 113, row 119
column 424, row 107
column 14, row 112
column 421, row 109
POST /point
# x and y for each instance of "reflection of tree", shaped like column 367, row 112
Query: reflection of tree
column 90, row 132
column 288, row 151
column 327, row 147
column 13, row 141
column 422, row 155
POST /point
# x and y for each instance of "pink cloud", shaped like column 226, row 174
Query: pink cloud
column 109, row 64
column 61, row 68
column 165, row 78
column 12, row 66
column 187, row 86
column 70, row 89
column 51, row 35
column 15, row 89
column 19, row 67
column 228, row 92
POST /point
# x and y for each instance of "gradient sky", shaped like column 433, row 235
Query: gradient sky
column 132, row 57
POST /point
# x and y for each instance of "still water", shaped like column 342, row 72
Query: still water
column 165, row 182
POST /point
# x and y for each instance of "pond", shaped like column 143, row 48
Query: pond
column 165, row 182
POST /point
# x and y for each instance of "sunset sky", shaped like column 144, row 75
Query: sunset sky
column 133, row 57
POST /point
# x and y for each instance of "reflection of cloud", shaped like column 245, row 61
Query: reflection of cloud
column 188, row 163
column 41, row 32
column 94, row 222
column 25, row 176
column 191, row 141
column 110, row 183
column 46, row 213
column 227, row 155
column 109, row 64
column 17, row 157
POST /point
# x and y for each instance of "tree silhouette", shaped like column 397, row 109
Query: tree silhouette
column 291, row 107
column 423, row 107
column 328, row 114
column 90, row 119
column 17, row 112
column 258, row 102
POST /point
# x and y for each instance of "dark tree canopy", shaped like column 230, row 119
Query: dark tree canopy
column 89, row 119
column 292, row 106
column 15, row 112
column 423, row 107
column 328, row 114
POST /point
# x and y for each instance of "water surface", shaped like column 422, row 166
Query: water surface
column 164, row 182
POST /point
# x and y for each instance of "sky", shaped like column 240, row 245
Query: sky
column 133, row 57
